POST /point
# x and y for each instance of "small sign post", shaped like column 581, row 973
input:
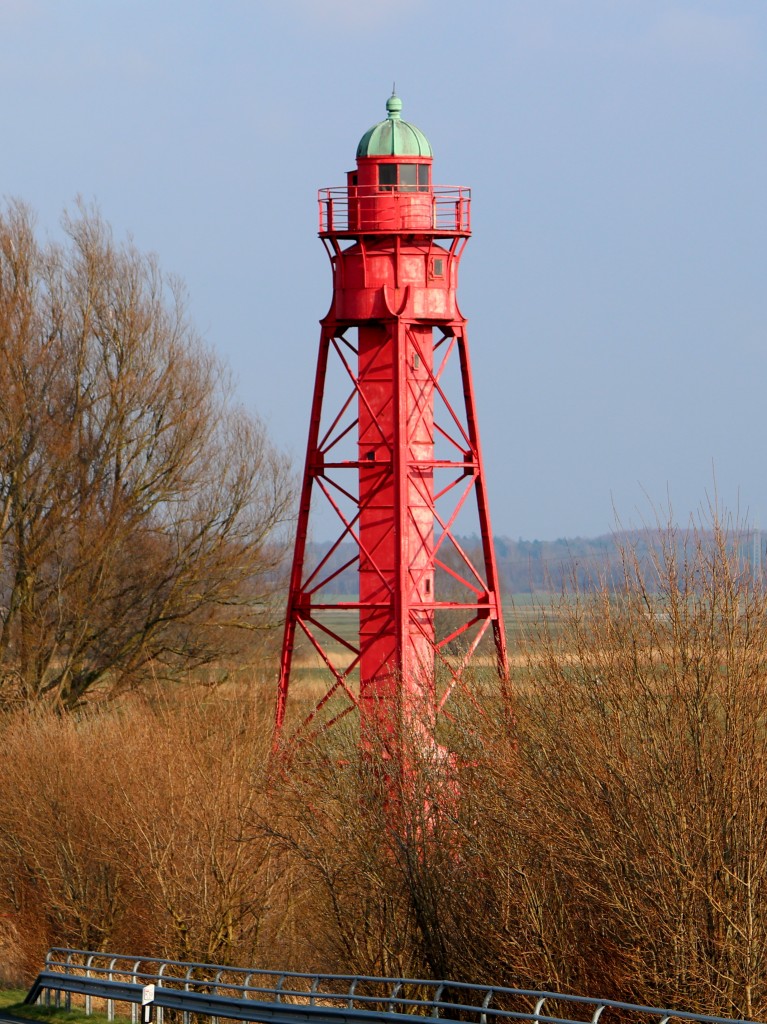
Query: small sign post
column 147, row 1000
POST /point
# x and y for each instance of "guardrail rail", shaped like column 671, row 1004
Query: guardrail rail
column 289, row 997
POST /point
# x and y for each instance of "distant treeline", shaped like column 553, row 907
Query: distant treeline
column 549, row 566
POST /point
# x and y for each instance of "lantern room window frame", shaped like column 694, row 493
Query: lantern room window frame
column 404, row 177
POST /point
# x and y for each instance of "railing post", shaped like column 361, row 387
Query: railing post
column 350, row 994
column 485, row 1003
column 111, row 1002
column 160, row 1010
column 88, row 997
column 134, row 1011
column 278, row 989
column 214, row 1020
column 67, row 995
column 313, row 989
column 393, row 993
column 437, row 997
column 185, row 1013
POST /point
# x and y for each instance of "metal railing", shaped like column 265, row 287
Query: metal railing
column 289, row 997
column 440, row 210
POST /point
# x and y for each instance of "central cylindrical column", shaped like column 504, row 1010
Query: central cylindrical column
column 396, row 492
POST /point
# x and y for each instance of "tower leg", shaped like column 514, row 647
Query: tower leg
column 488, row 549
column 295, row 593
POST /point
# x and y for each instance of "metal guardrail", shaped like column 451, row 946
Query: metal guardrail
column 289, row 997
column 358, row 209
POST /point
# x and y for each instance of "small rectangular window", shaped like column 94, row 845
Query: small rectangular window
column 407, row 177
column 387, row 177
column 423, row 177
column 437, row 267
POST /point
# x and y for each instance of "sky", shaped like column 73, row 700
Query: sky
column 614, row 283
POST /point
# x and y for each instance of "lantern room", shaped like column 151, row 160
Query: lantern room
column 393, row 155
column 391, row 189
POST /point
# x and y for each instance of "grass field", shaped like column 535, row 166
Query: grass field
column 519, row 612
column 12, row 1001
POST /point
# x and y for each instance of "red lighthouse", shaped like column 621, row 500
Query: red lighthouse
column 393, row 456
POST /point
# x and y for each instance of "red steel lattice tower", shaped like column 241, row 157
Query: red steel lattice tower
column 395, row 458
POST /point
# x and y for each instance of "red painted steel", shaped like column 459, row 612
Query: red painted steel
column 395, row 459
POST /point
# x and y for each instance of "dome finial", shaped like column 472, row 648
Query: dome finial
column 393, row 106
column 393, row 136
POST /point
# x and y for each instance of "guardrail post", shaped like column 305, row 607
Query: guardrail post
column 68, row 995
column 160, row 1010
column 185, row 1013
column 111, row 1002
column 134, row 1006
column 437, row 997
column 350, row 994
column 278, row 989
column 88, row 997
column 214, row 1020
column 313, row 989
column 485, row 1003
column 393, row 993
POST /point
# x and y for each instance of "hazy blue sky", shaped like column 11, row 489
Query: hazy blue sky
column 617, row 152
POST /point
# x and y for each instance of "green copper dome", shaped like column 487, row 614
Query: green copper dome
column 394, row 137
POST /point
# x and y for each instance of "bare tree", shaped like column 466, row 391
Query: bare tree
column 140, row 507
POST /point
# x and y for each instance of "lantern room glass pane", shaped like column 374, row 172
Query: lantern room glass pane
column 407, row 177
column 423, row 177
column 387, row 177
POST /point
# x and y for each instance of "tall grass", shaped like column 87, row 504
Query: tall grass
column 607, row 837
column 130, row 828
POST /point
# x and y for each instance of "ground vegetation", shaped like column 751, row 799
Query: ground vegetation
column 605, row 835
